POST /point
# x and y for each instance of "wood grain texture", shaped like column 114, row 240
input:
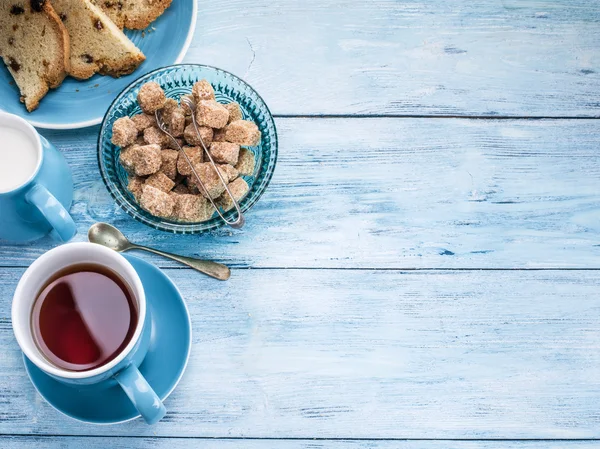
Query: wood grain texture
column 364, row 354
column 187, row 443
column 464, row 57
column 361, row 349
column 391, row 193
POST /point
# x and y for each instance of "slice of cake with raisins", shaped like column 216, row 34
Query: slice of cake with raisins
column 133, row 14
column 34, row 45
column 97, row 44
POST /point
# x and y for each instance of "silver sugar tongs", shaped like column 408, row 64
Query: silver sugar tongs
column 239, row 222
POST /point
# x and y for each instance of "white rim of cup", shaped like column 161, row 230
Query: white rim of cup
column 8, row 117
column 36, row 357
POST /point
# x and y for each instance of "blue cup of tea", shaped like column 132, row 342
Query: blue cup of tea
column 59, row 352
column 36, row 186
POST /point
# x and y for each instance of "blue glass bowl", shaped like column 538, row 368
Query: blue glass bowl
column 178, row 80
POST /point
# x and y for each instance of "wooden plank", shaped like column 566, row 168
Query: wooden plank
column 20, row 442
column 365, row 354
column 465, row 57
column 391, row 193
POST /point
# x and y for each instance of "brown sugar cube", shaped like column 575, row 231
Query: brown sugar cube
column 190, row 208
column 208, row 211
column 210, row 180
column 128, row 156
column 238, row 188
column 235, row 112
column 180, row 189
column 243, row 132
column 211, row 113
column 143, row 121
column 231, row 171
column 141, row 160
column 195, row 154
column 219, row 135
column 151, row 97
column 160, row 181
column 205, row 212
column 245, row 164
column 124, row 132
column 190, row 182
column 156, row 201
column 155, row 136
column 174, row 144
column 168, row 109
column 150, row 160
column 177, row 124
column 202, row 90
column 190, row 136
column 225, row 152
column 170, row 105
column 193, row 189
column 186, row 110
column 224, row 172
column 169, row 163
column 135, row 186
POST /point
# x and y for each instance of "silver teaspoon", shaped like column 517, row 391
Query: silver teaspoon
column 109, row 236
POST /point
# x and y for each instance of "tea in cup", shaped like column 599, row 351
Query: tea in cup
column 79, row 313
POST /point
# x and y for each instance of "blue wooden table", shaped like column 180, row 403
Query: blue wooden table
column 422, row 272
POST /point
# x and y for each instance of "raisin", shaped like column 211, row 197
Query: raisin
column 37, row 5
column 14, row 64
column 98, row 25
column 87, row 58
column 112, row 4
column 16, row 10
column 11, row 41
column 63, row 17
column 15, row 27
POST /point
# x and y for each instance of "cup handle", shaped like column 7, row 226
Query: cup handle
column 53, row 211
column 141, row 394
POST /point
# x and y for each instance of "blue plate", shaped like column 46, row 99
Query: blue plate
column 163, row 366
column 77, row 104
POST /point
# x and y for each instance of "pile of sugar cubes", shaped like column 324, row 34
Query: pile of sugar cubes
column 161, row 179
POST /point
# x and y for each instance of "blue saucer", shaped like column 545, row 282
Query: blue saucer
column 163, row 366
